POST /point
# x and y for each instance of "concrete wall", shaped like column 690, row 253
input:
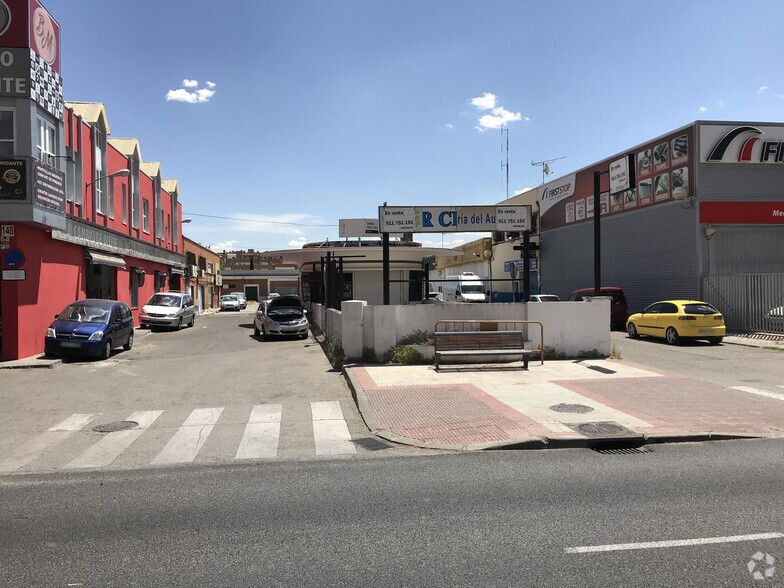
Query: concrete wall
column 569, row 327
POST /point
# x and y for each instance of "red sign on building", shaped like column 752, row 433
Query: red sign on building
column 742, row 213
column 26, row 23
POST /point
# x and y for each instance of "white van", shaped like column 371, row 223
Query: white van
column 466, row 287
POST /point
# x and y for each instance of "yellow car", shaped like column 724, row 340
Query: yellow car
column 674, row 320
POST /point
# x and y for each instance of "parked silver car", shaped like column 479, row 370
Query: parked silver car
column 168, row 309
column 243, row 300
column 230, row 302
column 281, row 315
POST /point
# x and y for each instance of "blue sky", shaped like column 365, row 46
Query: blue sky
column 293, row 115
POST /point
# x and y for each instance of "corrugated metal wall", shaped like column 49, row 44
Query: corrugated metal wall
column 650, row 253
column 748, row 302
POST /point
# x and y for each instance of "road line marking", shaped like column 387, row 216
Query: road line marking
column 112, row 445
column 675, row 543
column 759, row 392
column 262, row 433
column 75, row 422
column 190, row 437
column 45, row 441
column 330, row 431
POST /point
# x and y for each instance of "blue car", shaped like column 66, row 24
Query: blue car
column 90, row 328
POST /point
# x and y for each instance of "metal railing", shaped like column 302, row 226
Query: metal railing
column 749, row 302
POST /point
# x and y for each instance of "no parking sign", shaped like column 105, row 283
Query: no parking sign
column 13, row 258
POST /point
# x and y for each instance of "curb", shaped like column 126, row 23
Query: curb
column 528, row 443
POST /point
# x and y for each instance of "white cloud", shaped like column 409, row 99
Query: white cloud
column 762, row 89
column 224, row 246
column 779, row 95
column 703, row 108
column 500, row 117
column 194, row 96
column 450, row 126
column 298, row 243
column 485, row 102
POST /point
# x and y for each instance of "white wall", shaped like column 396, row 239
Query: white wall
column 569, row 327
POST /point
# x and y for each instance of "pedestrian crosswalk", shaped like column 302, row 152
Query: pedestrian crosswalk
column 760, row 392
column 71, row 444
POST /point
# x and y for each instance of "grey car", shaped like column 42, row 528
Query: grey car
column 282, row 315
column 168, row 309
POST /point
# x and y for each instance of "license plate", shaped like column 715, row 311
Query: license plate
column 706, row 331
column 70, row 345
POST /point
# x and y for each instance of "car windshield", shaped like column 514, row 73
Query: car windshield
column 84, row 313
column 472, row 289
column 285, row 310
column 229, row 299
column 550, row 298
column 164, row 300
column 699, row 309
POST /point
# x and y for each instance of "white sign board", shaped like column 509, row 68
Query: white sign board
column 622, row 174
column 13, row 275
column 357, row 227
column 6, row 230
column 454, row 219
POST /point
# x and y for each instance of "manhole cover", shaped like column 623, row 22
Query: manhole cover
column 371, row 444
column 572, row 408
column 115, row 426
column 594, row 429
column 622, row 450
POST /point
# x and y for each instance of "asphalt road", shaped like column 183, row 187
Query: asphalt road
column 726, row 364
column 486, row 519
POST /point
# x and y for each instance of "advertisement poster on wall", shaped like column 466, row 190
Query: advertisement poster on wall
column 662, row 166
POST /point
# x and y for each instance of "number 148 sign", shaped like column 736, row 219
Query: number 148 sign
column 6, row 230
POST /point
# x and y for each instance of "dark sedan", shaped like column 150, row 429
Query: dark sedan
column 92, row 328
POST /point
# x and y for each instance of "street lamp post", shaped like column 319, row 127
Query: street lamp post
column 117, row 174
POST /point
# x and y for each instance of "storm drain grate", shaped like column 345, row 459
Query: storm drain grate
column 115, row 426
column 622, row 450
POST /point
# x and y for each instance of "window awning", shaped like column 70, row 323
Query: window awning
column 177, row 270
column 101, row 258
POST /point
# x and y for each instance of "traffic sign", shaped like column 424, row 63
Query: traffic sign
column 14, row 258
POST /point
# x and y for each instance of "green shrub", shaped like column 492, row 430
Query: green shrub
column 334, row 352
column 592, row 354
column 417, row 338
column 369, row 355
column 553, row 353
column 404, row 355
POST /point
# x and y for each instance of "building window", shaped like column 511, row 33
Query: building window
column 110, row 195
column 168, row 224
column 45, row 141
column 124, row 190
column 134, row 289
column 210, row 268
column 146, row 216
column 7, row 145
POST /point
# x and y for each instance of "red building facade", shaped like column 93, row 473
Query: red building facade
column 81, row 214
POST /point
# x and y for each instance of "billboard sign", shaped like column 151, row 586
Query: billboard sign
column 654, row 171
column 453, row 219
column 357, row 227
column 741, row 143
column 622, row 174
column 27, row 24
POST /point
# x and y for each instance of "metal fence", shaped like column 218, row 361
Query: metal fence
column 749, row 302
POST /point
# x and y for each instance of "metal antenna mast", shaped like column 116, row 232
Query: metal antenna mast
column 505, row 150
column 546, row 165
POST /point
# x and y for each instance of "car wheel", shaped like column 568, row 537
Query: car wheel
column 715, row 340
column 106, row 352
column 179, row 325
column 671, row 335
column 263, row 333
column 129, row 344
column 193, row 320
column 632, row 330
column 256, row 331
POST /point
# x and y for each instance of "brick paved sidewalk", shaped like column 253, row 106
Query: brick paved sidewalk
column 560, row 403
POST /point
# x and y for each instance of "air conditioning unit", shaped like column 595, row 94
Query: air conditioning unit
column 192, row 271
column 202, row 273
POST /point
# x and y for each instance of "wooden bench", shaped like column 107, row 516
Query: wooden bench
column 480, row 343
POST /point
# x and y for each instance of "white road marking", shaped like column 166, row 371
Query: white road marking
column 45, row 441
column 262, row 433
column 330, row 431
column 759, row 392
column 190, row 437
column 676, row 543
column 535, row 400
column 112, row 445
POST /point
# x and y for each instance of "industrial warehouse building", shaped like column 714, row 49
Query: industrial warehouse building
column 705, row 220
